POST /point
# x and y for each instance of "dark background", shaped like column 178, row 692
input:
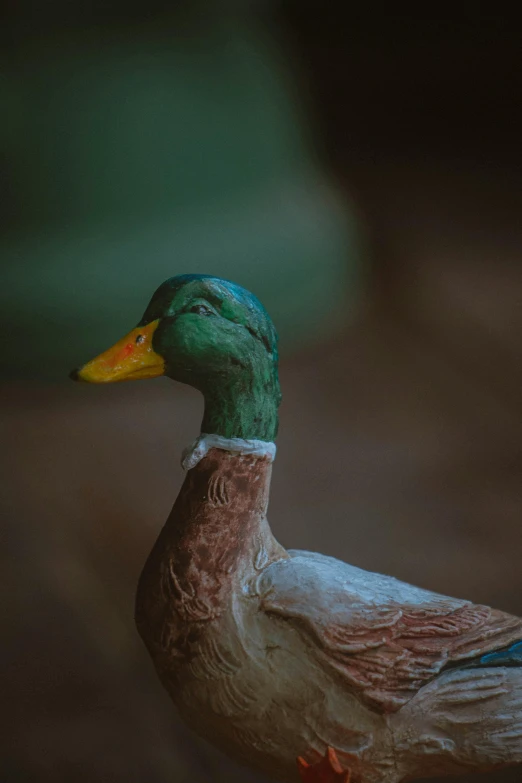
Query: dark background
column 361, row 173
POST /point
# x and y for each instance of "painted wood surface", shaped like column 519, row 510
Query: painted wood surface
column 275, row 655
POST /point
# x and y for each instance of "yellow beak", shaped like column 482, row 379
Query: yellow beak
column 132, row 358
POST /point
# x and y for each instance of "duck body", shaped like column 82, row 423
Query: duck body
column 238, row 675
column 271, row 654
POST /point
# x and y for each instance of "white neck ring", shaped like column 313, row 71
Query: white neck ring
column 197, row 450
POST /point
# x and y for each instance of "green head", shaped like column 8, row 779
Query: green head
column 211, row 334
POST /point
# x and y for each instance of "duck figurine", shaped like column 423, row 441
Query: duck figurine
column 276, row 655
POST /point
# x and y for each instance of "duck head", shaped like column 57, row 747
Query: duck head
column 213, row 335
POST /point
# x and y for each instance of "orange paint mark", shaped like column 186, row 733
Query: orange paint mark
column 327, row 770
column 117, row 357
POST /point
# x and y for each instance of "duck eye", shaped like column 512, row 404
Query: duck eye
column 140, row 339
column 200, row 309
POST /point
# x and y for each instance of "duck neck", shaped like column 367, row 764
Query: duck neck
column 246, row 405
column 216, row 538
column 218, row 530
column 221, row 509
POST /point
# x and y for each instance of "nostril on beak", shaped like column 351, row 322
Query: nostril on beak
column 74, row 375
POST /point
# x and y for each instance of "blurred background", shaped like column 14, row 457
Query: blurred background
column 361, row 173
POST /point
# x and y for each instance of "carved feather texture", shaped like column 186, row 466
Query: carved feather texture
column 271, row 655
column 385, row 638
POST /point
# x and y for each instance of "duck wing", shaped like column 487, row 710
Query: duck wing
column 384, row 638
